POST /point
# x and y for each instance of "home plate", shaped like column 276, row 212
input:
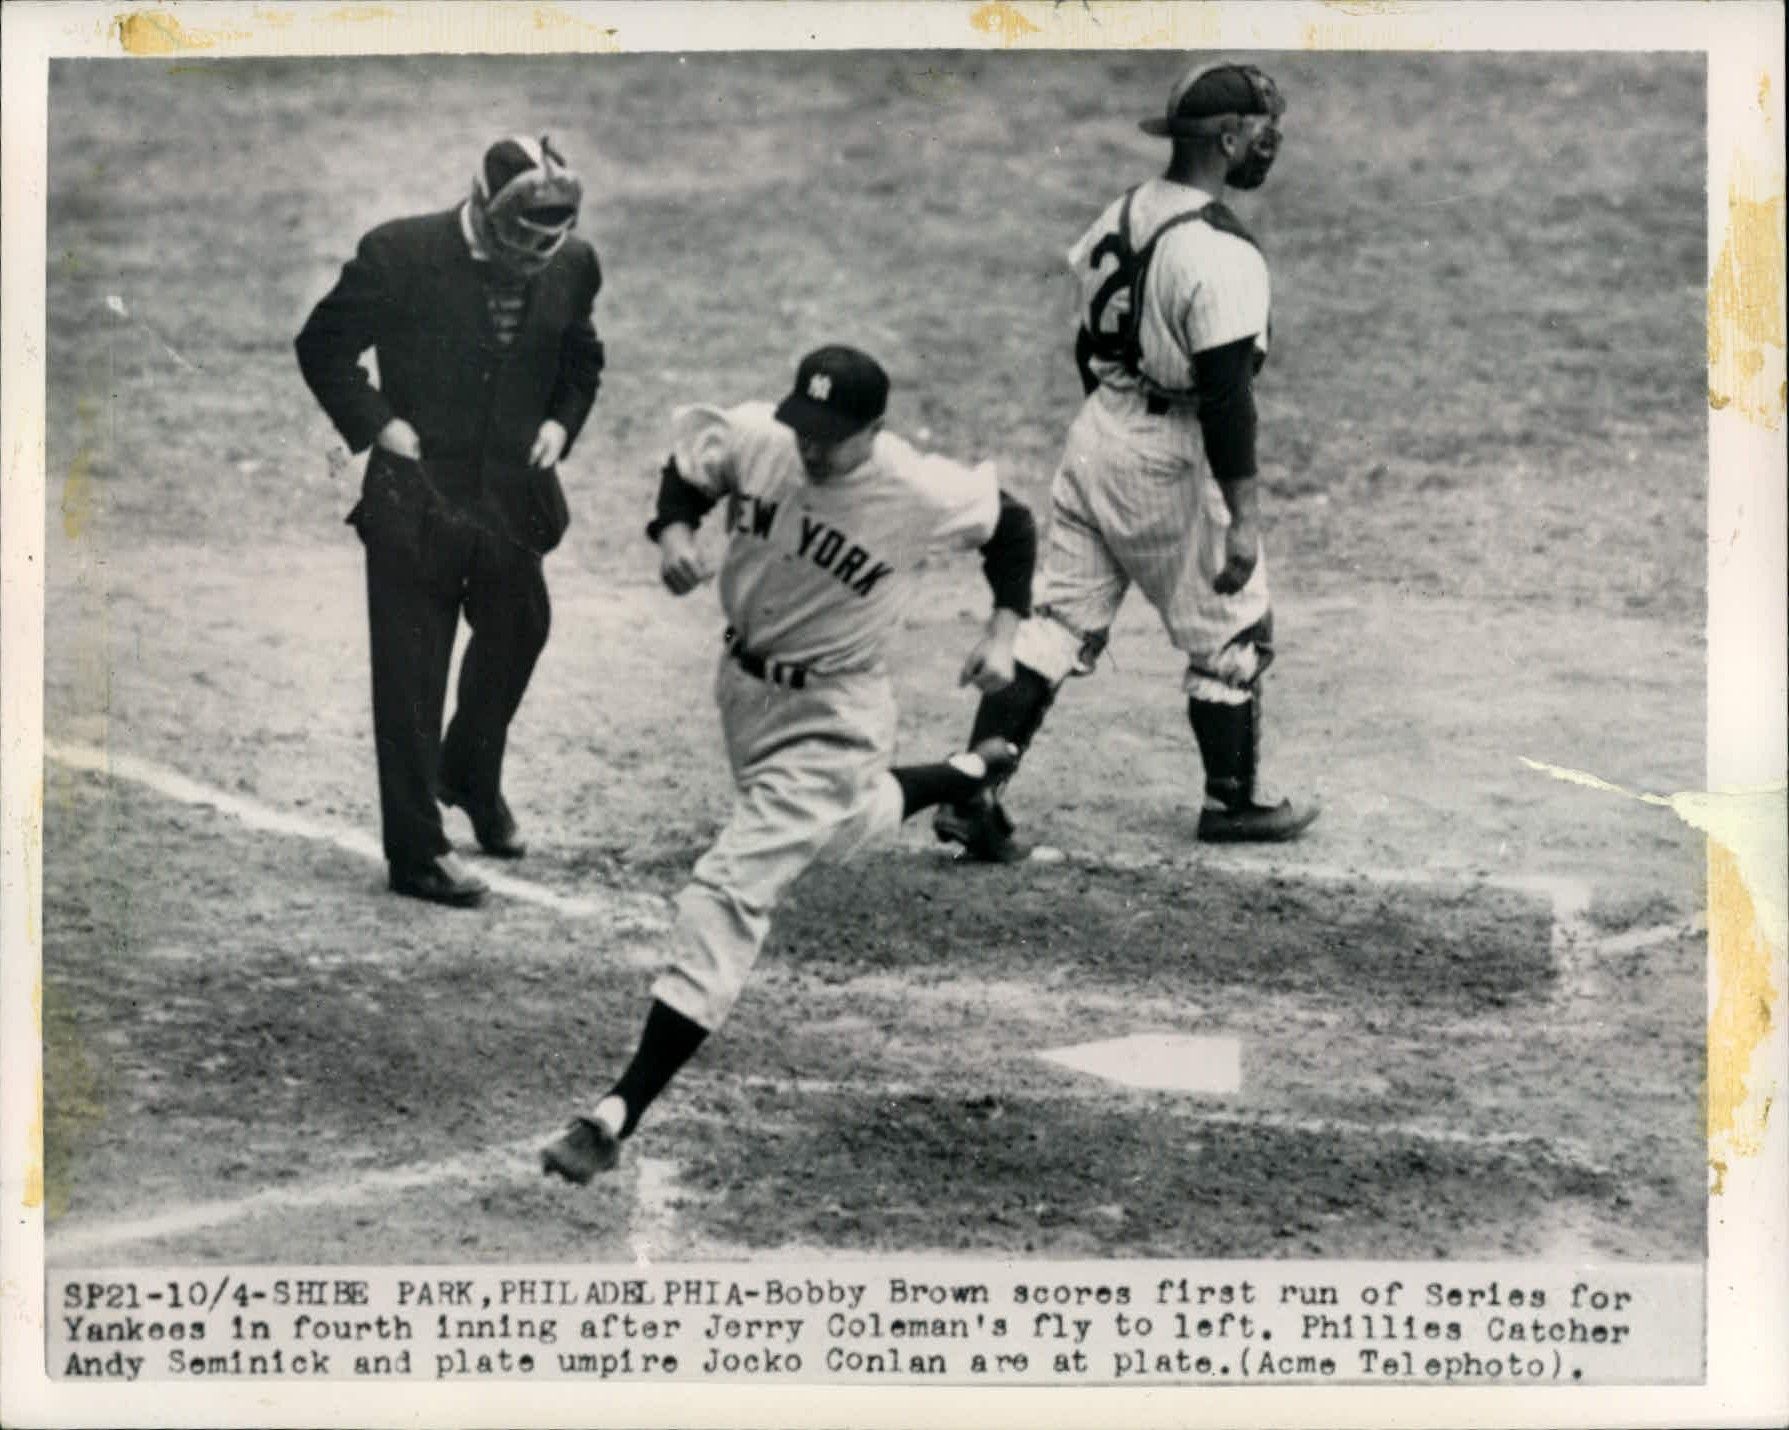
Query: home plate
column 1163, row 1062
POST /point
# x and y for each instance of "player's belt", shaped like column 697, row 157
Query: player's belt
column 772, row 672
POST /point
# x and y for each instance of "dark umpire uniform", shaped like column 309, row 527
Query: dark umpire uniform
column 480, row 320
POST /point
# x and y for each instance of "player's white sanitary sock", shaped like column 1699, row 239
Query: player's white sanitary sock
column 611, row 1112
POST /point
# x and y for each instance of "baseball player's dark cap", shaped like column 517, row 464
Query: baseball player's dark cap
column 838, row 392
column 1207, row 94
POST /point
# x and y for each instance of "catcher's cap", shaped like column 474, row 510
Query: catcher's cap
column 838, row 392
column 1209, row 94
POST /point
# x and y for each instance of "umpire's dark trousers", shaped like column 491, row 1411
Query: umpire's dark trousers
column 435, row 548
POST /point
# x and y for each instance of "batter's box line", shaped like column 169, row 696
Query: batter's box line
column 1558, row 1149
column 627, row 912
column 1575, row 945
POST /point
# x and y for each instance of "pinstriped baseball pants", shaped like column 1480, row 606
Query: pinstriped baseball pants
column 1134, row 502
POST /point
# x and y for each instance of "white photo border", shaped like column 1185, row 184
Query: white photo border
column 1748, row 1233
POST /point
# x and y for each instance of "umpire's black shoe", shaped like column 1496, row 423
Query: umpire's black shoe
column 495, row 828
column 1248, row 822
column 440, row 881
column 585, row 1148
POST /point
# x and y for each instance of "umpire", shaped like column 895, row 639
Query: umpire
column 488, row 363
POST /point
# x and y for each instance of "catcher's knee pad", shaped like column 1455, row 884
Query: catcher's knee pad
column 1232, row 674
column 1055, row 650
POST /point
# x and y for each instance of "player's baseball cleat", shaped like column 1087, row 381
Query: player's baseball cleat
column 440, row 881
column 495, row 828
column 585, row 1148
column 984, row 831
column 1255, row 823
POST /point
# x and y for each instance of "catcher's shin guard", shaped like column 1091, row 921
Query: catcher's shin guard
column 1229, row 738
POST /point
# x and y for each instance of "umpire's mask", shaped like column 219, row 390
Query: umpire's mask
column 524, row 203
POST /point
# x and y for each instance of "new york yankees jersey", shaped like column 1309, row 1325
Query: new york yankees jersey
column 816, row 573
column 1204, row 288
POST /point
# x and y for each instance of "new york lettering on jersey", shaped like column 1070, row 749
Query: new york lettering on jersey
column 810, row 570
column 832, row 550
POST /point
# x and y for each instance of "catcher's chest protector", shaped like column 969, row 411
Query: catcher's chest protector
column 1123, row 344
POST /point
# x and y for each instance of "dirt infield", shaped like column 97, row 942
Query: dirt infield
column 1470, row 1005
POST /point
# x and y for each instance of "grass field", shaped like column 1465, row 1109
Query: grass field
column 1470, row 1004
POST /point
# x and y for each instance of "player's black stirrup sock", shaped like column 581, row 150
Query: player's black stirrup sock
column 1228, row 737
column 923, row 786
column 1016, row 711
column 668, row 1041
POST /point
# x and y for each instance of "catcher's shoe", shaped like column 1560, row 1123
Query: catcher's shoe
column 1253, row 822
column 585, row 1148
column 983, row 829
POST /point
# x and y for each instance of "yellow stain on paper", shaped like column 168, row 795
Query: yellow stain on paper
column 1383, row 29
column 156, row 32
column 77, row 494
column 79, row 1103
column 1368, row 7
column 33, row 1194
column 1001, row 19
column 546, row 17
column 1745, row 300
column 1748, row 926
column 1745, row 998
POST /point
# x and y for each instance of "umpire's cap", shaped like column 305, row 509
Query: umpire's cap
column 1208, row 95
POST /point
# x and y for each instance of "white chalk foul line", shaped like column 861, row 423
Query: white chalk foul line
column 490, row 1163
column 652, row 1230
column 636, row 912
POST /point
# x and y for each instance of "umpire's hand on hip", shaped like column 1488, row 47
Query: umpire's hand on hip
column 549, row 445
column 399, row 437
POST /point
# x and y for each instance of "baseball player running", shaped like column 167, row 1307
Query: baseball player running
column 826, row 514
column 1157, row 481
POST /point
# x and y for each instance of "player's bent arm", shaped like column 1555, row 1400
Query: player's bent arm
column 1008, row 558
column 1224, row 377
column 345, row 323
column 581, row 356
column 680, row 502
column 681, row 507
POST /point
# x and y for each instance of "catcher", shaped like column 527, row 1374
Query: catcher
column 1157, row 483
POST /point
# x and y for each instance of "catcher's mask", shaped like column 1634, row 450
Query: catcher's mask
column 525, row 201
column 1227, row 99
